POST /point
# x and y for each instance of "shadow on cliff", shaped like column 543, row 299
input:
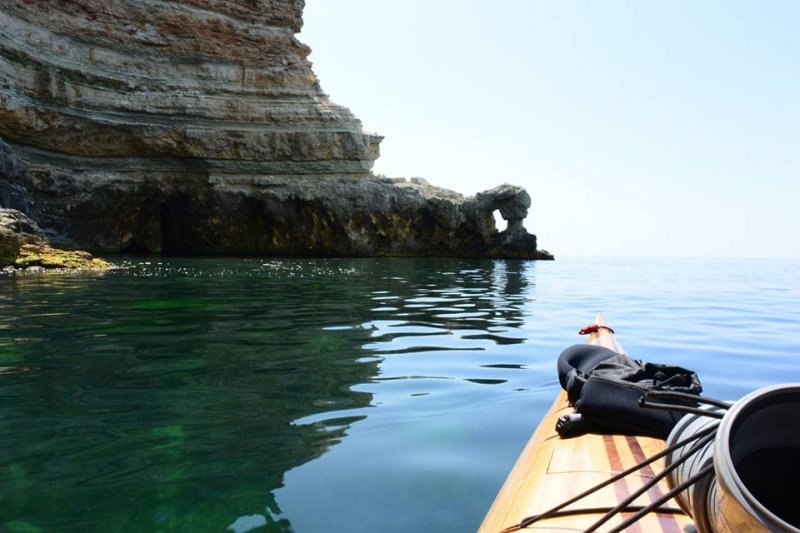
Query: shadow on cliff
column 190, row 211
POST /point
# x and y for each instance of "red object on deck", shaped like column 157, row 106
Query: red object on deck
column 594, row 328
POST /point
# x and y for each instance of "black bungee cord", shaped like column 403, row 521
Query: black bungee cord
column 557, row 510
column 653, row 482
column 694, row 398
column 665, row 498
column 644, row 401
column 703, row 437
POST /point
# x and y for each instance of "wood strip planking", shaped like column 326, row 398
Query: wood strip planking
column 551, row 470
column 669, row 524
column 621, row 486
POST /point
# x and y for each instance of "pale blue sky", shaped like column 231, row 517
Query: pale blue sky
column 638, row 127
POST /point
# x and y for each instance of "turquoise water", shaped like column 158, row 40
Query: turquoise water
column 334, row 395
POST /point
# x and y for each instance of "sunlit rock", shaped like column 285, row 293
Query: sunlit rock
column 199, row 127
column 23, row 247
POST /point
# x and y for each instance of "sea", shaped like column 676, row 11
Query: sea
column 334, row 395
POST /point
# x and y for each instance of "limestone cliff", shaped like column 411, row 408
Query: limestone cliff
column 198, row 126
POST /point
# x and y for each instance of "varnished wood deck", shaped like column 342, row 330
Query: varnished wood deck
column 550, row 470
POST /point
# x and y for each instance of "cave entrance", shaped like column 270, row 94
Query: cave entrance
column 174, row 215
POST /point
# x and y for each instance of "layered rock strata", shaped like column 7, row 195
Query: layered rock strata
column 198, row 126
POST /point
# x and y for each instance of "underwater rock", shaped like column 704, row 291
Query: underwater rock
column 199, row 127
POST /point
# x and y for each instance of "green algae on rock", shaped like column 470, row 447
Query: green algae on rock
column 42, row 255
column 199, row 127
column 22, row 247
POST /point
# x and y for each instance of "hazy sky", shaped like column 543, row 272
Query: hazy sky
column 637, row 127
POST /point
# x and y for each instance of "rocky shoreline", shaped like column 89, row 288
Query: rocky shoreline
column 23, row 248
column 199, row 127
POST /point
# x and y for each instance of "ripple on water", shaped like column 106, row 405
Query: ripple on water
column 198, row 394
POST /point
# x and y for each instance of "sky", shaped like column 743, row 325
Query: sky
column 639, row 128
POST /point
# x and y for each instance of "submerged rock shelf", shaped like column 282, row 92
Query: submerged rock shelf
column 199, row 127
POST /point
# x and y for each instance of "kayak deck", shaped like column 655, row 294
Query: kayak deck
column 551, row 470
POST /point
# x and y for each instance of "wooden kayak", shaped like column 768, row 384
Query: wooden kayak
column 551, row 470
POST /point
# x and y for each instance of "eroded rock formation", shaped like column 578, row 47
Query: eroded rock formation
column 22, row 247
column 198, row 126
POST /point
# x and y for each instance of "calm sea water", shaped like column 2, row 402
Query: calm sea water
column 334, row 395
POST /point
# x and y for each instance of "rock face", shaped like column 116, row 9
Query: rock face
column 198, row 126
column 23, row 247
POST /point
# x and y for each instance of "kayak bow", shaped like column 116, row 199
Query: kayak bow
column 551, row 470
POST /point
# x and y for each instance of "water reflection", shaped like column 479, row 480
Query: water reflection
column 176, row 395
column 459, row 306
column 448, row 334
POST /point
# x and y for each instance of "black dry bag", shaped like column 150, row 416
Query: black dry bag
column 605, row 389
